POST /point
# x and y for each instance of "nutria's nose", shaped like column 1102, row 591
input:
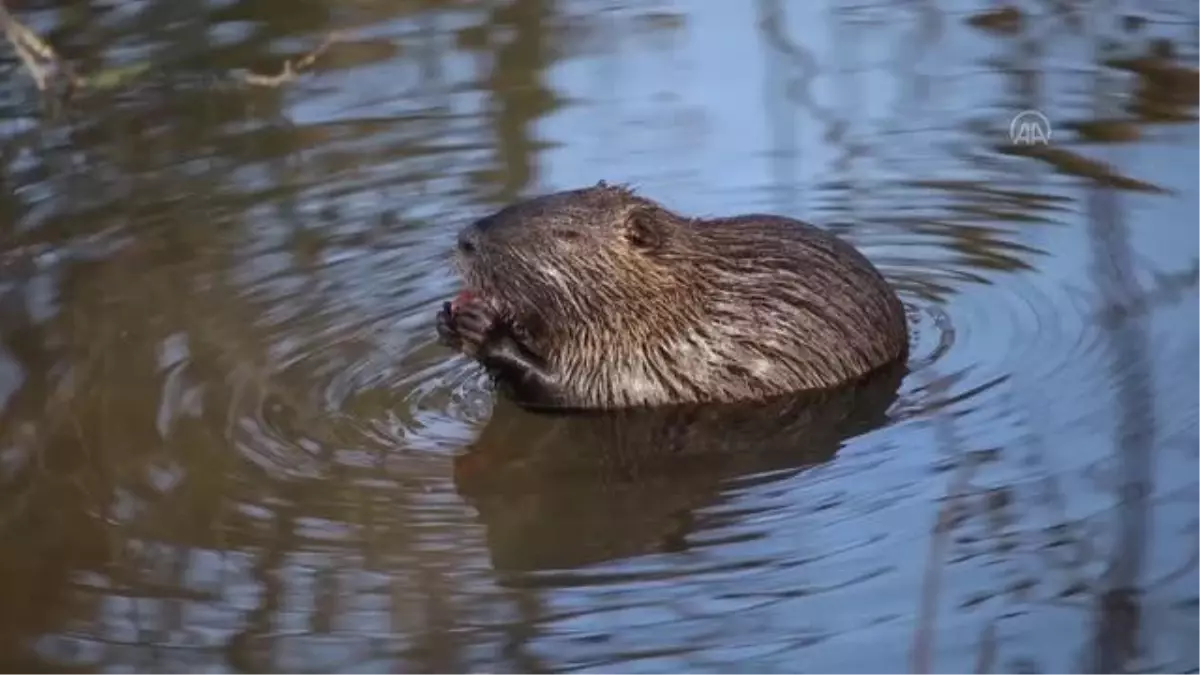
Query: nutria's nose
column 467, row 239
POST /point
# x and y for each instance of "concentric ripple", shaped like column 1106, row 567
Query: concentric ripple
column 349, row 371
column 366, row 368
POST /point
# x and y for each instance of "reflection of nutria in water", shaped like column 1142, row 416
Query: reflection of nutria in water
column 599, row 298
column 557, row 491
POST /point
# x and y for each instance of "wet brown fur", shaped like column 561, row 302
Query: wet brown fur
column 629, row 303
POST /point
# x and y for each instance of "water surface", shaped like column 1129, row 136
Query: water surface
column 229, row 441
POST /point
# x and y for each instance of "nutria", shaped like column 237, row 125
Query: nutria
column 601, row 298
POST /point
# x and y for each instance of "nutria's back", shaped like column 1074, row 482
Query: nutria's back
column 624, row 302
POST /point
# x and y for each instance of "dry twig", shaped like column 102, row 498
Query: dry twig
column 39, row 57
column 43, row 63
column 292, row 69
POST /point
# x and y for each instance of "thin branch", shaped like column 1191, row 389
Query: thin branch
column 36, row 54
column 291, row 69
column 24, row 37
column 43, row 63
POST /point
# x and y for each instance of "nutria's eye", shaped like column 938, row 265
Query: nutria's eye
column 643, row 230
column 567, row 235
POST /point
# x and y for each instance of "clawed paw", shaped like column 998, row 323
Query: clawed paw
column 465, row 326
column 445, row 326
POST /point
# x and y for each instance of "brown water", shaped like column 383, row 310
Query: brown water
column 229, row 441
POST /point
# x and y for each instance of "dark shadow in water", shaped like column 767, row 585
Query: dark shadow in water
column 564, row 491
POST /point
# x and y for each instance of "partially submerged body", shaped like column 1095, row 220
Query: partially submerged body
column 599, row 298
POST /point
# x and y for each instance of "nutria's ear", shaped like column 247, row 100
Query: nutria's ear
column 644, row 230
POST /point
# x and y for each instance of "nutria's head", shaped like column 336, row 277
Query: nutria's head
column 576, row 256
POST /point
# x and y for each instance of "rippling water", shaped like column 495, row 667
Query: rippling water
column 229, row 441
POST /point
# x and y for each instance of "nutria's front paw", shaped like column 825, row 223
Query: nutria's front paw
column 446, row 332
column 468, row 327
